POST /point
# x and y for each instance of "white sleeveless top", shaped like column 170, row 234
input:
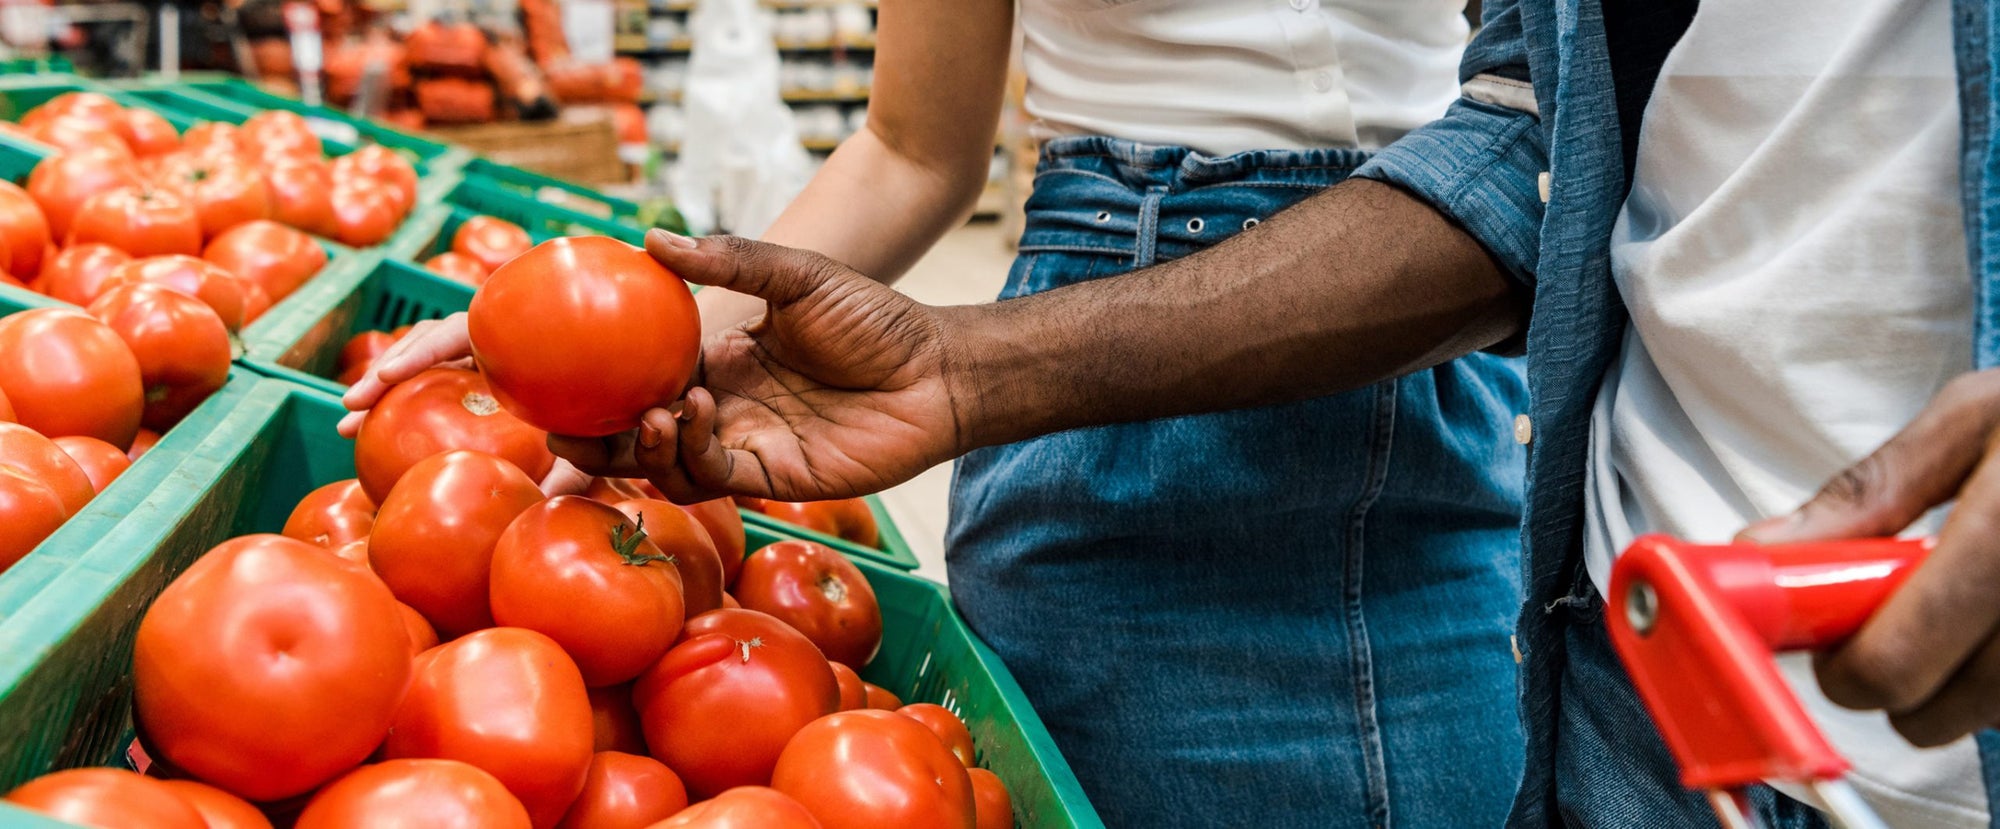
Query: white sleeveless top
column 1224, row 76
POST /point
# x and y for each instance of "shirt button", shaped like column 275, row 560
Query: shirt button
column 1302, row 5
column 1542, row 186
column 1322, row 80
column 1524, row 430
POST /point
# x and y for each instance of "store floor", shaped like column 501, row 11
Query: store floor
column 968, row 266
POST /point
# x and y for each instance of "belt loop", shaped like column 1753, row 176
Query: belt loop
column 1147, row 249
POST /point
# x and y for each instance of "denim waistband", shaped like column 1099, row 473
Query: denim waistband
column 1151, row 165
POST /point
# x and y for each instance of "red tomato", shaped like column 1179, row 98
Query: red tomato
column 143, row 442
column 508, row 701
column 44, row 460
column 82, row 135
column 729, row 602
column 182, row 346
column 100, row 461
column 615, row 491
column 992, row 808
column 434, row 535
column 276, row 257
column 625, row 791
column 423, row 637
column 148, row 134
column 30, row 510
column 490, row 241
column 356, row 553
column 615, row 723
column 255, row 302
column 681, row 537
column 24, row 230
column 198, row 278
column 278, row 132
column 110, row 798
column 725, row 527
column 62, row 182
column 415, row 794
column 220, row 809
column 436, row 411
column 870, row 769
column 744, row 807
column 364, row 212
column 719, row 708
column 853, row 692
column 211, row 137
column 69, row 374
column 570, row 552
column 555, row 332
column 332, row 515
column 947, row 726
column 879, row 697
column 819, row 592
column 458, row 267
column 268, row 667
column 363, row 348
column 76, row 274
column 225, row 191
column 95, row 107
column 142, row 221
column 6, row 409
column 847, row 518
column 378, row 163
column 302, row 195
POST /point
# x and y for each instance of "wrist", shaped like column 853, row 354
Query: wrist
column 994, row 393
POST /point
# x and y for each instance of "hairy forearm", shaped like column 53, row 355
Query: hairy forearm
column 1358, row 284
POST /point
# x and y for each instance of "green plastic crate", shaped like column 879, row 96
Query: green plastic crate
column 575, row 197
column 20, row 93
column 245, row 96
column 70, row 646
column 894, row 548
column 36, row 66
column 192, row 106
column 379, row 294
column 542, row 221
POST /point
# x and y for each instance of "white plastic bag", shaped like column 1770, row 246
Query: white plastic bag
column 740, row 161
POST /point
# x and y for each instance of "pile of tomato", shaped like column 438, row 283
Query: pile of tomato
column 846, row 518
column 478, row 248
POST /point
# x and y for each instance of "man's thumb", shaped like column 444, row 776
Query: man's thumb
column 774, row 273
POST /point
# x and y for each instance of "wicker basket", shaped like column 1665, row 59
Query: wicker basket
column 581, row 150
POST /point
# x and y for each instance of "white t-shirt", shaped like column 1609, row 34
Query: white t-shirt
column 1224, row 76
column 1795, row 266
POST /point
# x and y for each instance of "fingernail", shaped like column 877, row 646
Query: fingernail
column 671, row 239
column 649, row 437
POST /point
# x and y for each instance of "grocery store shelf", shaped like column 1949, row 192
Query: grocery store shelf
column 637, row 46
column 818, row 145
column 794, row 96
column 680, row 6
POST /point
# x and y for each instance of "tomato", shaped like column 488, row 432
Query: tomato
column 361, row 350
column 879, row 697
column 615, row 491
column 580, row 336
column 725, row 527
column 143, row 442
column 30, row 510
column 423, row 637
column 24, row 230
column 434, row 535
column 62, row 182
column 6, row 409
column 147, row 133
column 992, row 808
column 356, row 553
column 277, row 131
column 44, row 460
column 624, row 791
column 69, row 374
column 255, row 302
column 76, row 274
column 181, row 345
column 847, row 518
column 332, row 515
column 95, row 107
column 508, row 701
column 415, row 794
column 198, row 278
column 211, row 137
column 614, row 722
column 225, row 191
column 570, row 552
column 219, row 809
column 302, row 195
column 853, row 693
column 109, row 798
column 378, row 163
column 364, row 212
column 82, row 135
column 268, row 667
column 274, row 256
column 436, row 411
column 730, row 602
column 744, row 807
column 490, row 241
column 457, row 267
column 819, row 592
column 101, row 462
column 142, row 221
column 678, row 535
column 947, row 726
column 719, row 708
column 870, row 769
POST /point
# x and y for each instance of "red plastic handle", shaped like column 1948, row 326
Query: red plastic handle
column 1697, row 625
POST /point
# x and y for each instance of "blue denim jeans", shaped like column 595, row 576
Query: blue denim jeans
column 1289, row 616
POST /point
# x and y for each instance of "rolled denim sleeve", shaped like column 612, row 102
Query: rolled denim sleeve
column 1481, row 163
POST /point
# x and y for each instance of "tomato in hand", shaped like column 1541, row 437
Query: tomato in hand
column 364, row 212
column 276, row 257
column 415, row 794
column 570, row 552
column 148, row 133
column 437, row 411
column 992, row 807
column 225, row 191
column 581, row 335
column 847, row 518
column 681, row 538
column 100, row 461
column 879, row 698
column 853, row 692
column 625, row 790
column 61, row 183
column 490, row 241
column 870, row 769
column 508, row 701
column 820, row 593
column 458, row 267
column 106, row 797
column 380, row 164
column 725, row 528
column 302, row 195
column 949, row 729
column 614, row 722
column 181, row 345
column 332, row 515
column 66, row 373
column 434, row 535
column 744, row 807
column 141, row 221
column 44, row 460
column 76, row 274
column 268, row 667
column 24, row 230
column 219, row 809
column 721, row 705
column 30, row 511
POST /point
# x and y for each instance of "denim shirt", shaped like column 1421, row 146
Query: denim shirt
column 1534, row 161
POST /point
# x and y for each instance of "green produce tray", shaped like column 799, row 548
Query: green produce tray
column 338, row 139
column 573, row 196
column 473, row 196
column 36, row 66
column 235, row 94
column 65, row 688
column 894, row 548
column 20, row 93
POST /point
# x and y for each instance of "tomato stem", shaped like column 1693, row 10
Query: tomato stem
column 626, row 545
